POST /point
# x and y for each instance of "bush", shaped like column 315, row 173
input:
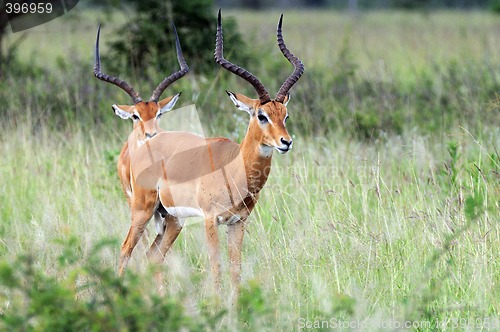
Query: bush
column 147, row 40
column 495, row 6
column 90, row 297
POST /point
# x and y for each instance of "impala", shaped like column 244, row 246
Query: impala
column 187, row 175
column 145, row 115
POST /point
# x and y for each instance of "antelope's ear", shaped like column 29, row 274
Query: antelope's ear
column 123, row 111
column 287, row 99
column 242, row 102
column 168, row 103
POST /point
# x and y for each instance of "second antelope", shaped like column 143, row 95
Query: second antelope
column 146, row 116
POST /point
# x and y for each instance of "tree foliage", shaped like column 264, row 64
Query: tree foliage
column 147, row 40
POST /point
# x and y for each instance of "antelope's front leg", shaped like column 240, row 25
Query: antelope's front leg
column 213, row 250
column 235, row 234
column 140, row 219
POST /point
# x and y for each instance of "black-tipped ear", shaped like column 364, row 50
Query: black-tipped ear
column 242, row 105
column 121, row 112
column 287, row 99
column 168, row 104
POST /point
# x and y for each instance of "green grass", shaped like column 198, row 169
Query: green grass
column 362, row 221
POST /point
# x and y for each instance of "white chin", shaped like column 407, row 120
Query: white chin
column 282, row 151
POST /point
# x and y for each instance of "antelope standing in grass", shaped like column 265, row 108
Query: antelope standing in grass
column 146, row 117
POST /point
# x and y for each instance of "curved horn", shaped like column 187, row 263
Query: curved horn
column 110, row 79
column 297, row 64
column 175, row 76
column 247, row 76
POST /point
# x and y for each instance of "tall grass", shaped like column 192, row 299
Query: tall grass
column 386, row 210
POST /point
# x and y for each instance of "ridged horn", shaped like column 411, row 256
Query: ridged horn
column 175, row 76
column 297, row 64
column 246, row 75
column 111, row 79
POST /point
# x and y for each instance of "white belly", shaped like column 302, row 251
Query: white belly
column 184, row 212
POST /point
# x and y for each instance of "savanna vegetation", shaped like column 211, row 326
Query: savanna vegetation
column 385, row 212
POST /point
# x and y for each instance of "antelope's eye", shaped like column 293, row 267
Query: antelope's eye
column 135, row 117
column 262, row 118
column 286, row 118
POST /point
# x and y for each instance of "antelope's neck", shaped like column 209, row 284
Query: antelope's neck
column 257, row 164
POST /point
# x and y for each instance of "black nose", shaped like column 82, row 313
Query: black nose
column 284, row 141
column 148, row 135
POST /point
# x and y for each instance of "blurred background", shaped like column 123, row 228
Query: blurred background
column 373, row 67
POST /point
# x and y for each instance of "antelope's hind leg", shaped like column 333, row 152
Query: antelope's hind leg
column 172, row 226
column 160, row 228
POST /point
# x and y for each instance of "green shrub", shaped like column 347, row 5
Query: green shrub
column 495, row 6
column 146, row 41
column 89, row 297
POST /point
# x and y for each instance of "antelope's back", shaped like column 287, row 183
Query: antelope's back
column 181, row 157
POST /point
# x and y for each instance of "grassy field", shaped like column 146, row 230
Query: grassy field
column 386, row 212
